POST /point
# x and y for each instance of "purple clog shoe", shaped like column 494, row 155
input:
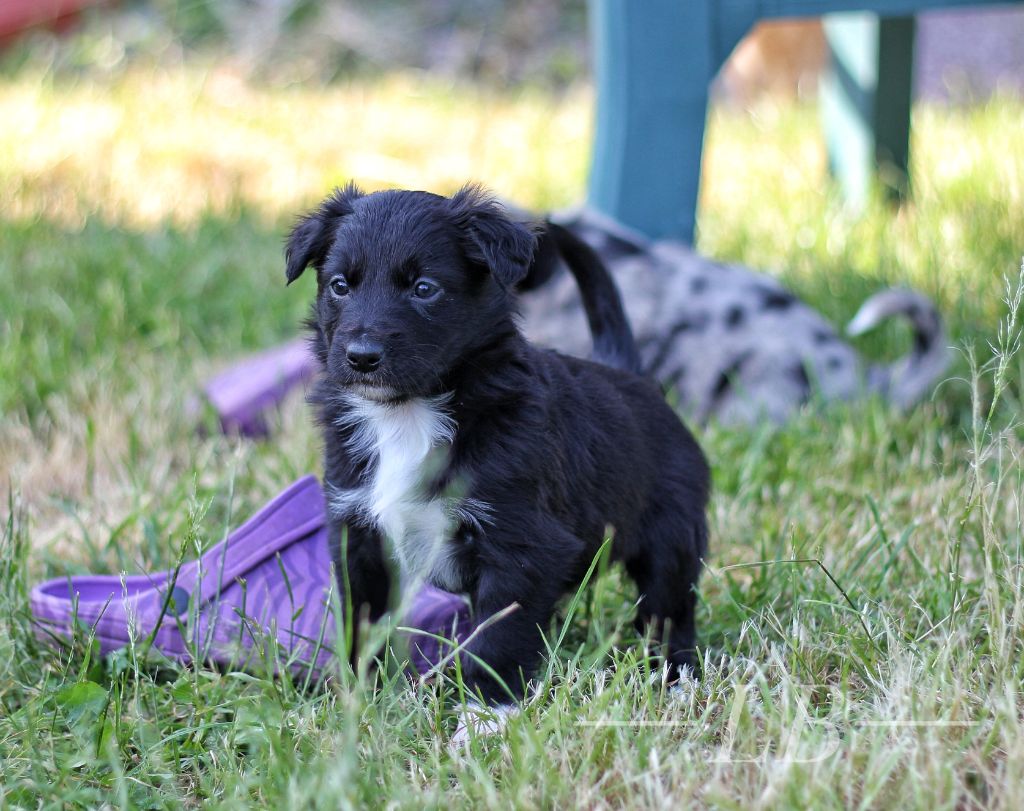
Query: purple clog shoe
column 243, row 392
column 271, row 578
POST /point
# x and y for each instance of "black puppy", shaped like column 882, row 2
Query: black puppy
column 492, row 467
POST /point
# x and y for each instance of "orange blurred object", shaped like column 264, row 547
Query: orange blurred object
column 778, row 58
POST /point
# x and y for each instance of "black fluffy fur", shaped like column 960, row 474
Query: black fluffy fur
column 559, row 448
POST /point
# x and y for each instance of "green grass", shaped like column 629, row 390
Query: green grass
column 140, row 249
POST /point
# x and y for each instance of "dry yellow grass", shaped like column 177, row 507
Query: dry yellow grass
column 155, row 146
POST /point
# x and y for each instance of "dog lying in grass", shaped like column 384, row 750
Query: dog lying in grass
column 732, row 343
column 484, row 464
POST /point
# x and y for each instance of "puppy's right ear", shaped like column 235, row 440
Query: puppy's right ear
column 311, row 237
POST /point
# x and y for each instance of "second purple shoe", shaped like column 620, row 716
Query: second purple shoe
column 243, row 393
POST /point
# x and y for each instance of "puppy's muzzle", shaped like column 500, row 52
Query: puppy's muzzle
column 364, row 354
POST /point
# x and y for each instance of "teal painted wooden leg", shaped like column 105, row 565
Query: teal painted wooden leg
column 865, row 103
column 652, row 61
column 895, row 93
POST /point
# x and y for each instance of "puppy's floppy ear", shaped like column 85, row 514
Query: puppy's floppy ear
column 491, row 238
column 311, row 237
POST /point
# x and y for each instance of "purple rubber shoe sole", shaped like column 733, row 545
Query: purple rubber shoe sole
column 242, row 393
column 270, row 578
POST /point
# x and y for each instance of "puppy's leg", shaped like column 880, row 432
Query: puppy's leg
column 666, row 577
column 502, row 656
column 364, row 579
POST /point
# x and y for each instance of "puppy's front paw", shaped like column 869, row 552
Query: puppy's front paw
column 684, row 688
column 476, row 719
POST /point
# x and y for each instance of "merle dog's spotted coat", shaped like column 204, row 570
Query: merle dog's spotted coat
column 484, row 464
column 732, row 343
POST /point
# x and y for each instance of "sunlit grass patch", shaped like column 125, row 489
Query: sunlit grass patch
column 158, row 146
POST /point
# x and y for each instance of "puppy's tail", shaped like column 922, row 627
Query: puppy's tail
column 609, row 327
column 913, row 376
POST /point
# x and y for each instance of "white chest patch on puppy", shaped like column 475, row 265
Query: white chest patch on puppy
column 405, row 444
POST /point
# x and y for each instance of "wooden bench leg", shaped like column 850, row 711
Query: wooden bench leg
column 865, row 103
column 653, row 61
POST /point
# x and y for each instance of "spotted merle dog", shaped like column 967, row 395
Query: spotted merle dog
column 733, row 344
column 458, row 453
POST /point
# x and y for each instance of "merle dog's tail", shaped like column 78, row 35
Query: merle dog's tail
column 913, row 376
column 609, row 327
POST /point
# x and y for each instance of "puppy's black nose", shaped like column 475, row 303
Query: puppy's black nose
column 364, row 354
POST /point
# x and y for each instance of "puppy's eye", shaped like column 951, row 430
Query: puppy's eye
column 339, row 286
column 425, row 289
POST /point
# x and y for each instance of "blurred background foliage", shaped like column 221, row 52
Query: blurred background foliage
column 285, row 41
column 962, row 55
